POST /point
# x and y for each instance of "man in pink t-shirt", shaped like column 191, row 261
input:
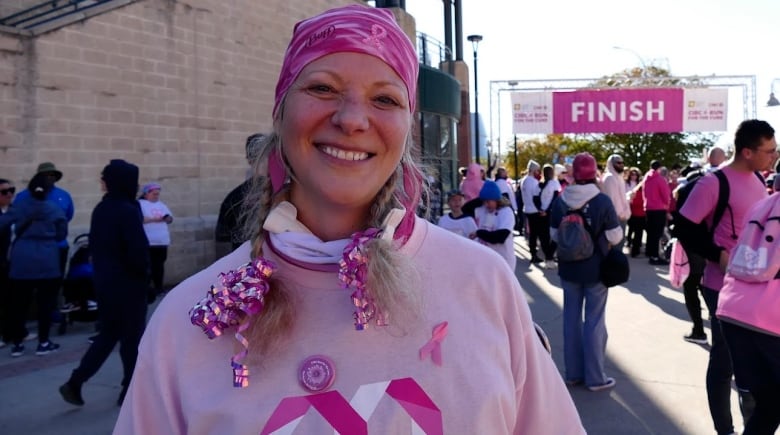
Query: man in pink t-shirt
column 755, row 150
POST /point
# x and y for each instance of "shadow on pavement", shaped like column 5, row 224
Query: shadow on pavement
column 660, row 377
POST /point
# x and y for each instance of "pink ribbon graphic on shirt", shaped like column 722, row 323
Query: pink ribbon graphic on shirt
column 433, row 346
column 345, row 419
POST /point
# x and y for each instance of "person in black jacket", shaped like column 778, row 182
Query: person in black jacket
column 230, row 222
column 120, row 257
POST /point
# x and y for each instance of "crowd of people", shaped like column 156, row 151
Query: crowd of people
column 628, row 209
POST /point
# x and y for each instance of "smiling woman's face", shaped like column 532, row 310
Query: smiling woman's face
column 343, row 130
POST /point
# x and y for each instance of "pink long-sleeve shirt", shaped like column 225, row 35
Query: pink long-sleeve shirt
column 656, row 191
column 495, row 377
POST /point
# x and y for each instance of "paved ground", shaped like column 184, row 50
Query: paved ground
column 660, row 378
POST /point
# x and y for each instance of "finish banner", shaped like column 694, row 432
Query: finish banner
column 643, row 110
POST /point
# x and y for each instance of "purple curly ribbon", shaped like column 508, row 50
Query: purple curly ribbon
column 353, row 272
column 239, row 295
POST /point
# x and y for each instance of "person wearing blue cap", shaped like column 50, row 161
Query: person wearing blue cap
column 495, row 222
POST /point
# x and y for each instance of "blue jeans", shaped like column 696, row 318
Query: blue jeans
column 584, row 342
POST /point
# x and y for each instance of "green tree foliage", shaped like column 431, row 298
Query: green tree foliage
column 668, row 148
column 552, row 148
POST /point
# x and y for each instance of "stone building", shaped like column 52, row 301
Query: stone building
column 174, row 86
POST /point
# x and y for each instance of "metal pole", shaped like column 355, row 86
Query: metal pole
column 499, row 121
column 517, row 173
column 476, row 109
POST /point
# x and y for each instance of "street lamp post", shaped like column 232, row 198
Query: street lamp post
column 772, row 100
column 475, row 39
column 517, row 172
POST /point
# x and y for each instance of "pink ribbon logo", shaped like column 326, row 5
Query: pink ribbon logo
column 377, row 32
column 352, row 417
column 433, row 346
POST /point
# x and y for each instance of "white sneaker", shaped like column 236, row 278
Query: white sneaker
column 550, row 264
column 31, row 336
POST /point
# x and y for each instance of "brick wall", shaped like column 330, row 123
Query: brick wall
column 174, row 86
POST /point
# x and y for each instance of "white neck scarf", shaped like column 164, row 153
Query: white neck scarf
column 292, row 239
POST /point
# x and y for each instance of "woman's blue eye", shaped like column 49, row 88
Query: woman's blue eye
column 320, row 88
column 387, row 100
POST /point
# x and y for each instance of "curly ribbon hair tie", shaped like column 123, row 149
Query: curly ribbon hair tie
column 353, row 273
column 239, row 295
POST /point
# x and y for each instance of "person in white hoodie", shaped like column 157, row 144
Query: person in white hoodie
column 614, row 186
column 531, row 192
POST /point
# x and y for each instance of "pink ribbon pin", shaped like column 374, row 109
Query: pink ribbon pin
column 433, row 346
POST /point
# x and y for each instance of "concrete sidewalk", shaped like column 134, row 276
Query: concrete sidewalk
column 660, row 378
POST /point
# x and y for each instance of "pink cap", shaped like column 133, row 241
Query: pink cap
column 356, row 29
column 584, row 167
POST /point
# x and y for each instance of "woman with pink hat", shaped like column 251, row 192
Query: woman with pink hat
column 345, row 312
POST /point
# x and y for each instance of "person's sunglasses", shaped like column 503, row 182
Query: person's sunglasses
column 10, row 190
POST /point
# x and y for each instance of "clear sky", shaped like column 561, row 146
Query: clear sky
column 560, row 39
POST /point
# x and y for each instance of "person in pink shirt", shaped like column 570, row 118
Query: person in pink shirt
column 755, row 150
column 345, row 312
column 748, row 307
column 657, row 196
column 472, row 183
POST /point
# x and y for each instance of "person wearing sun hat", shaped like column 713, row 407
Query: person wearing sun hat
column 344, row 300
column 59, row 196
column 585, row 341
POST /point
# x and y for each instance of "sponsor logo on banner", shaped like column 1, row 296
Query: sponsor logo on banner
column 656, row 110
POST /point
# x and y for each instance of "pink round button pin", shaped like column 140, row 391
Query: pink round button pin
column 317, row 373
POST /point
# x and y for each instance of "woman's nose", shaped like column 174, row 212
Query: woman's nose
column 351, row 115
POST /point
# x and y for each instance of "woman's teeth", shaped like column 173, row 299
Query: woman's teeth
column 344, row 155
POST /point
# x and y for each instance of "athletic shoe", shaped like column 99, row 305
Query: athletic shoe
column 92, row 306
column 46, row 348
column 550, row 264
column 71, row 394
column 698, row 338
column 31, row 336
column 69, row 308
column 605, row 386
column 17, row 350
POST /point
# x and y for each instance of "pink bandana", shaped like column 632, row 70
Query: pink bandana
column 356, row 29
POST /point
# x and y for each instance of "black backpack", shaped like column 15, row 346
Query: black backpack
column 692, row 235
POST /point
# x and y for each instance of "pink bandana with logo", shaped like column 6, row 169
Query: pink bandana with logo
column 355, row 29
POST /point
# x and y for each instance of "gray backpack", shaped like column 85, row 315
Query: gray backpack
column 574, row 240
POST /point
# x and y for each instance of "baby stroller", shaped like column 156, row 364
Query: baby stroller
column 78, row 288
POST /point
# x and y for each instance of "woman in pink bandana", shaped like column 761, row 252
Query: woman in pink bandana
column 351, row 315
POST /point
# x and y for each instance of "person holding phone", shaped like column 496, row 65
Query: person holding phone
column 157, row 217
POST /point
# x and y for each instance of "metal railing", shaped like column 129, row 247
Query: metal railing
column 48, row 11
column 431, row 51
